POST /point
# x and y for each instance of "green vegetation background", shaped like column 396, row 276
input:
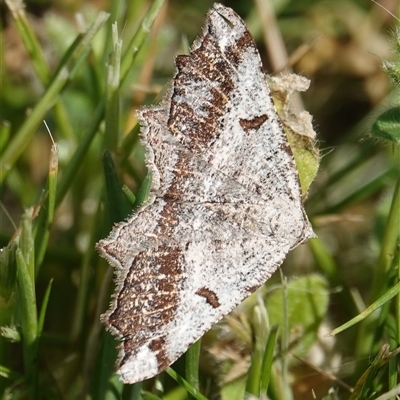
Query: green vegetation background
column 63, row 62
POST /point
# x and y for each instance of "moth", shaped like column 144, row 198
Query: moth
column 225, row 206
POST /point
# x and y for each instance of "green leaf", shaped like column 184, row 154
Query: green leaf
column 387, row 125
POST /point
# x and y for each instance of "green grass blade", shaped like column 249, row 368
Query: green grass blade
column 336, row 177
column 392, row 394
column 79, row 50
column 144, row 190
column 368, row 311
column 43, row 309
column 194, row 392
column 4, row 135
column 27, row 246
column 46, row 215
column 192, row 364
column 106, row 384
column 266, row 369
column 364, row 192
column 8, row 275
column 27, row 307
column 129, row 195
column 84, row 282
column 389, row 242
column 324, row 259
column 137, row 41
column 260, row 331
column 112, row 93
column 117, row 205
column 365, row 386
column 150, row 396
column 30, row 40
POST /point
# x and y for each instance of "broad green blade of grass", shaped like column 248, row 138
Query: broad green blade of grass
column 192, row 365
column 267, row 362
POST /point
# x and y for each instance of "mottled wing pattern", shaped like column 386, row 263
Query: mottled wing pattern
column 224, row 210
